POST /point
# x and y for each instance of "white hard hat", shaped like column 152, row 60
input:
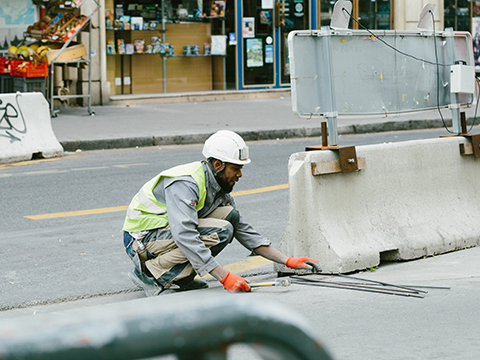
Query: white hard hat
column 227, row 146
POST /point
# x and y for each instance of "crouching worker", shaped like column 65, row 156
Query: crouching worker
column 182, row 218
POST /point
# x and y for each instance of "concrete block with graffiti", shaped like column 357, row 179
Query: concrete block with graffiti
column 25, row 128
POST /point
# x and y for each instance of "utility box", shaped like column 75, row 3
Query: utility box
column 462, row 79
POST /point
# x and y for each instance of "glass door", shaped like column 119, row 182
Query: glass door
column 293, row 15
column 258, row 43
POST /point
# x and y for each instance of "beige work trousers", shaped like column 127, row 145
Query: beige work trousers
column 170, row 263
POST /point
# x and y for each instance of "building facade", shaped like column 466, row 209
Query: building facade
column 176, row 46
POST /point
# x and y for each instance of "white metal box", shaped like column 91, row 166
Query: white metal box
column 462, row 79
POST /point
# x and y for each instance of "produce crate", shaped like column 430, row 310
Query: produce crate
column 29, row 69
column 4, row 65
column 6, row 83
column 25, row 84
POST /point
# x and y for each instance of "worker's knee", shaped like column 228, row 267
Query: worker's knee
column 233, row 217
column 225, row 234
column 225, row 237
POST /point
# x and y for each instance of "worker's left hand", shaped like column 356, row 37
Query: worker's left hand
column 303, row 263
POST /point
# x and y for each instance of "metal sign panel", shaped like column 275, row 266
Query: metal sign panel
column 353, row 72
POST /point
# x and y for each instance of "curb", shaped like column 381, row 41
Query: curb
column 189, row 139
column 254, row 135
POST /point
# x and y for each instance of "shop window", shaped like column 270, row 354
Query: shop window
column 476, row 33
column 373, row 14
column 191, row 37
column 457, row 15
column 326, row 11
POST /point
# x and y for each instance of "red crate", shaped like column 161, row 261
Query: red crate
column 5, row 65
column 26, row 68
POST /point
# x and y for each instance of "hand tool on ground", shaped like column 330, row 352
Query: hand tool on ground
column 278, row 282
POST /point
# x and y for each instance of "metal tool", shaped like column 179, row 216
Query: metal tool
column 278, row 282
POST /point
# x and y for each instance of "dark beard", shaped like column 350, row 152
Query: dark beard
column 226, row 187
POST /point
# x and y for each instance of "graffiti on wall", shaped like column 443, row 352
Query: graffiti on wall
column 12, row 122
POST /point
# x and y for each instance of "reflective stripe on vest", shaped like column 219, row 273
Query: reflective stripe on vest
column 146, row 213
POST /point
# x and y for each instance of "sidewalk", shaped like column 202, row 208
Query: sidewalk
column 123, row 126
column 350, row 324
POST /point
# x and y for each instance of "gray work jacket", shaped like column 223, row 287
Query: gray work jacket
column 180, row 195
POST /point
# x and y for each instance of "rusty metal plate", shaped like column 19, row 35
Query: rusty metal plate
column 476, row 144
column 348, row 159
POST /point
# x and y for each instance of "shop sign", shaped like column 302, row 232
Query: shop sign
column 254, row 53
column 267, row 4
column 232, row 39
column 299, row 8
column 268, row 54
column 248, row 27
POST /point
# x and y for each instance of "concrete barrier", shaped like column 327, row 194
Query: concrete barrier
column 413, row 199
column 25, row 128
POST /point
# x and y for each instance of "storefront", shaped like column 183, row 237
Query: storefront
column 200, row 45
column 263, row 50
column 205, row 45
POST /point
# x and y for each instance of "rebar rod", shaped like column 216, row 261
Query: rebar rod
column 346, row 287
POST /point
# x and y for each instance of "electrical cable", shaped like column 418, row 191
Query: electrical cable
column 390, row 46
column 436, row 63
column 476, row 106
column 438, row 77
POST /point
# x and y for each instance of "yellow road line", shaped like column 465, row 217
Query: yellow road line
column 126, row 166
column 46, row 172
column 260, row 190
column 29, row 162
column 244, row 265
column 91, row 168
column 77, row 213
column 8, row 166
column 123, row 208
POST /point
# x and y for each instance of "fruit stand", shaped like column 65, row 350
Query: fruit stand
column 47, row 47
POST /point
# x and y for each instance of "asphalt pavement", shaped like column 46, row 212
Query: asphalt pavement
column 443, row 323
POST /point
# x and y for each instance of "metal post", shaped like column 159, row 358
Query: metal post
column 90, row 112
column 463, row 122
column 52, row 107
column 324, row 134
column 331, row 113
column 225, row 56
column 164, row 58
column 454, row 103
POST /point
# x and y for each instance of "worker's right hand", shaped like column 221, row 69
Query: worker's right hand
column 303, row 263
column 235, row 283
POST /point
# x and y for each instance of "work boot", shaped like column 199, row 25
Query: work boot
column 190, row 283
column 148, row 284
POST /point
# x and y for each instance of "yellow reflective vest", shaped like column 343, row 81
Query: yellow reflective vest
column 146, row 213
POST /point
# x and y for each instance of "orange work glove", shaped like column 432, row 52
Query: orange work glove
column 303, row 262
column 235, row 283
